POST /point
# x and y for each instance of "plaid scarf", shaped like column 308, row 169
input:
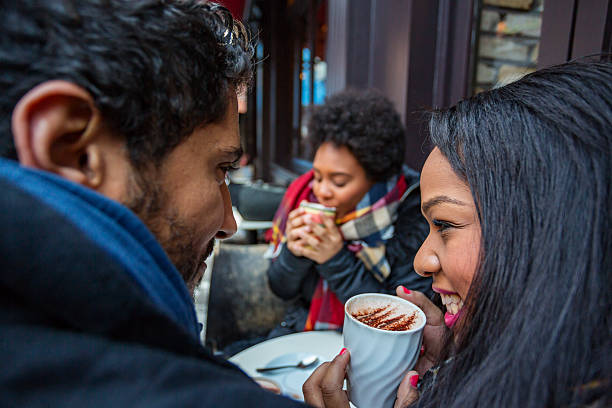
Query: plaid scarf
column 366, row 230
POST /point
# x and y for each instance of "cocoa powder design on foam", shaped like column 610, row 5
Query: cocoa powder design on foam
column 384, row 318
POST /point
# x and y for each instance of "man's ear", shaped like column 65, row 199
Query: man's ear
column 55, row 128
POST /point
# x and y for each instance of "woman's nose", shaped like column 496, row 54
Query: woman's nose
column 228, row 227
column 324, row 190
column 426, row 262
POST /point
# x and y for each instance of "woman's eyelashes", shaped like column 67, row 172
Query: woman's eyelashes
column 444, row 226
column 335, row 183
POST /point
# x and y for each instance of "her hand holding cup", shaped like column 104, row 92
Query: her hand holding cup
column 312, row 232
column 383, row 334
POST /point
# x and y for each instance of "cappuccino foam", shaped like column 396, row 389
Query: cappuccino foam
column 381, row 314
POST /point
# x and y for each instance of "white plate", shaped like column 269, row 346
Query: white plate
column 324, row 344
column 291, row 379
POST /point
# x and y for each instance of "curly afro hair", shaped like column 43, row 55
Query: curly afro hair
column 368, row 125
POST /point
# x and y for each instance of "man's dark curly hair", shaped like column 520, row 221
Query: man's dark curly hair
column 156, row 69
column 368, row 125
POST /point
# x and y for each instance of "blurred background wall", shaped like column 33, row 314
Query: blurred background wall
column 420, row 53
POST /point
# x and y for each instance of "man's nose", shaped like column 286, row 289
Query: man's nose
column 426, row 261
column 228, row 227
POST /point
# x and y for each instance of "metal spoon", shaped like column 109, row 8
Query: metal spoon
column 305, row 362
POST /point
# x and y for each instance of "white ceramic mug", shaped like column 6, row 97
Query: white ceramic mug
column 379, row 358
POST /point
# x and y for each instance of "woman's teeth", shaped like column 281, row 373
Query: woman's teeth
column 453, row 303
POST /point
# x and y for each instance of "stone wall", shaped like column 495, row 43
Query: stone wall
column 507, row 41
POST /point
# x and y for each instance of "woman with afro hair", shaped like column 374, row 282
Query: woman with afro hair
column 369, row 245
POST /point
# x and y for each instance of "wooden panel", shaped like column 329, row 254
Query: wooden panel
column 607, row 45
column 390, row 50
column 337, row 45
column 590, row 27
column 284, row 66
column 452, row 67
column 421, row 78
column 557, row 32
column 348, row 44
column 358, row 57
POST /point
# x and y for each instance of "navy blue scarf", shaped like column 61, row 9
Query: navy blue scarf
column 116, row 230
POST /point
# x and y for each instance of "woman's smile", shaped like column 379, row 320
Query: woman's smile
column 453, row 304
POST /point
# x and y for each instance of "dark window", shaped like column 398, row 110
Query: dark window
column 312, row 73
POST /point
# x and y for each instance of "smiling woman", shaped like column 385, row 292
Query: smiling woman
column 517, row 195
column 530, row 261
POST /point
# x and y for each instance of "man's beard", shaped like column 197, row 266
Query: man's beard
column 147, row 199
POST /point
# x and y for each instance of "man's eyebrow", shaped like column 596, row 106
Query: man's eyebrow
column 232, row 154
column 425, row 207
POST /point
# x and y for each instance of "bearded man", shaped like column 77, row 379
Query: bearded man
column 118, row 125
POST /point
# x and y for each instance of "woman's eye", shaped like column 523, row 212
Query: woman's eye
column 340, row 181
column 442, row 225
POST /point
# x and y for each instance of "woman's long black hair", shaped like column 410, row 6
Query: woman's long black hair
column 537, row 157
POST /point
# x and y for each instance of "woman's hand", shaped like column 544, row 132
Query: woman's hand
column 434, row 332
column 407, row 392
column 323, row 239
column 323, row 389
column 295, row 229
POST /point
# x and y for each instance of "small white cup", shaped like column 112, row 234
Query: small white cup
column 379, row 358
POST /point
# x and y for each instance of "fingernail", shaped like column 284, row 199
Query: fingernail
column 422, row 350
column 406, row 291
column 414, row 380
column 342, row 351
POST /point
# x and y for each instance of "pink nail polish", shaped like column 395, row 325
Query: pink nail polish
column 342, row 351
column 414, row 380
column 422, row 350
column 406, row 291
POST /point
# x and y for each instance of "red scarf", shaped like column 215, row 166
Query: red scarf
column 326, row 311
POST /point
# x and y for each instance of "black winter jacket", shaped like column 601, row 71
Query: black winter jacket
column 295, row 278
column 75, row 331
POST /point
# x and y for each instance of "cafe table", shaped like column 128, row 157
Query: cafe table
column 289, row 349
